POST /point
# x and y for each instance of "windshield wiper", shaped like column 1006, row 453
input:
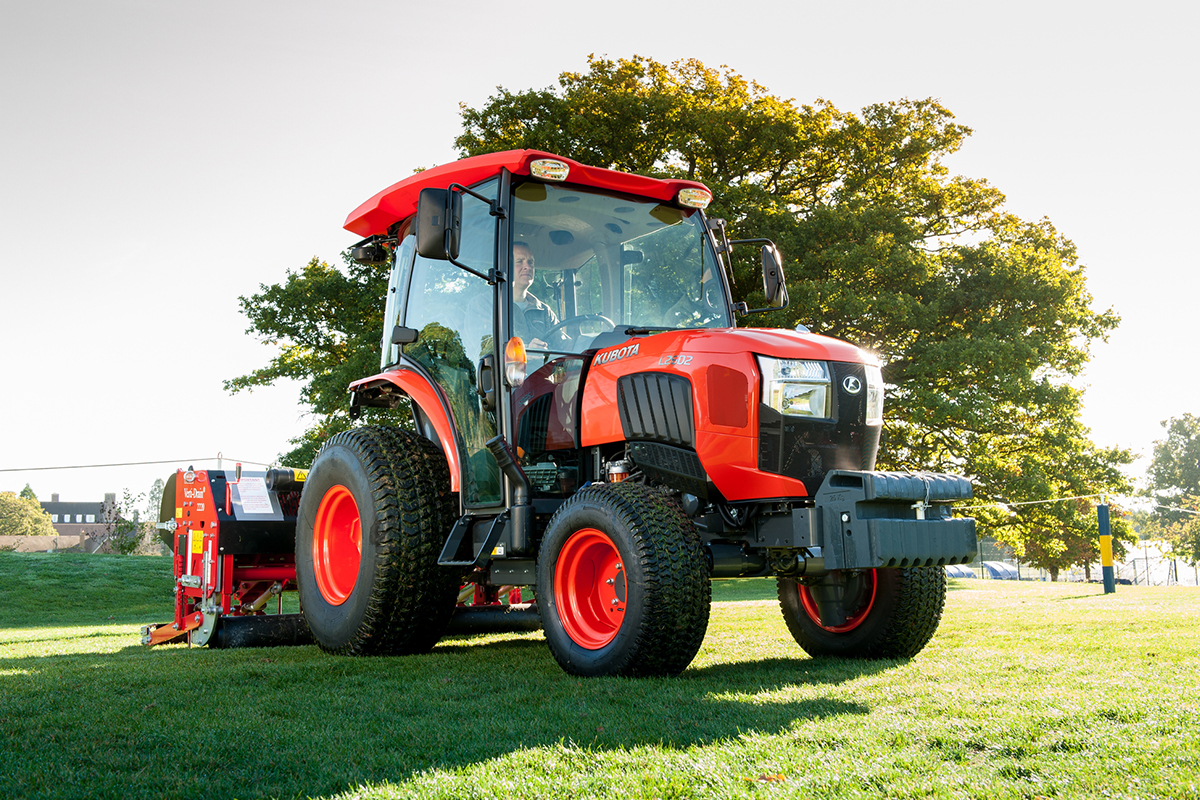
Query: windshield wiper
column 644, row 331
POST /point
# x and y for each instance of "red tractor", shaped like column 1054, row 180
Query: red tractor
column 590, row 422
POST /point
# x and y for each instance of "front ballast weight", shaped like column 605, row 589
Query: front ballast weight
column 868, row 520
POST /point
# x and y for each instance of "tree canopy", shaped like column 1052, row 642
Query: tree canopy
column 21, row 516
column 982, row 320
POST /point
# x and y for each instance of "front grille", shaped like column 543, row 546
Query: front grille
column 656, row 406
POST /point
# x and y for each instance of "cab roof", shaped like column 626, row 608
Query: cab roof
column 399, row 200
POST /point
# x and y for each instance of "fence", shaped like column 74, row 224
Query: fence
column 1147, row 564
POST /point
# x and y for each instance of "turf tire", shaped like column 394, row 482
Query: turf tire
column 903, row 616
column 401, row 600
column 666, row 582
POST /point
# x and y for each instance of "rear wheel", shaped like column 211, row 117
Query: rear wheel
column 623, row 584
column 890, row 613
column 375, row 509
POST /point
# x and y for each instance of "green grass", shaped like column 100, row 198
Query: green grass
column 1028, row 690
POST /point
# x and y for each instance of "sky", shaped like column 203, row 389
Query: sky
column 160, row 159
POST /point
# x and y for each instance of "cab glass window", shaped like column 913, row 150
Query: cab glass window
column 608, row 261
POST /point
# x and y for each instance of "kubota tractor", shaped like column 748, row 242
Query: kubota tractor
column 591, row 423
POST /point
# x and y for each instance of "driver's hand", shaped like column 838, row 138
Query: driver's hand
column 537, row 344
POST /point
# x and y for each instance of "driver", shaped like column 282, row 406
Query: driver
column 531, row 318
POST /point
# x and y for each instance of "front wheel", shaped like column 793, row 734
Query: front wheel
column 890, row 613
column 623, row 584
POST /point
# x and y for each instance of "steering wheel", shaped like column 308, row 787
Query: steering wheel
column 577, row 323
column 714, row 298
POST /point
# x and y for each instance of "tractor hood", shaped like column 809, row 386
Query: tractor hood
column 775, row 342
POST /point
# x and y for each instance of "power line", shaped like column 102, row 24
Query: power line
column 1173, row 508
column 1029, row 502
column 1001, row 504
column 140, row 464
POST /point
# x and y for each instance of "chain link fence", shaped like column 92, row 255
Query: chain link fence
column 1146, row 564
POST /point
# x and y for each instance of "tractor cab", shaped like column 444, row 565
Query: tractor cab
column 502, row 292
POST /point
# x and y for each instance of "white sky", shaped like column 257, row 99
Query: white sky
column 160, row 158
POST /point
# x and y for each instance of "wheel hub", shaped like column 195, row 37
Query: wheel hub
column 337, row 544
column 590, row 589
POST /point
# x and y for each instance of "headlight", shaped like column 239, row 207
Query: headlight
column 874, row 395
column 796, row 388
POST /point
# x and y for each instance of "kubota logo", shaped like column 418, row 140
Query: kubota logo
column 616, row 355
column 852, row 384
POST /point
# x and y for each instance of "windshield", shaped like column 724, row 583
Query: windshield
column 586, row 262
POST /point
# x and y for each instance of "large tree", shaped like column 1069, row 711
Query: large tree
column 981, row 319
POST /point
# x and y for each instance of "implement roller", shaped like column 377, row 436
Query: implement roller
column 233, row 535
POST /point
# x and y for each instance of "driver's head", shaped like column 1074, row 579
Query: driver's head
column 522, row 269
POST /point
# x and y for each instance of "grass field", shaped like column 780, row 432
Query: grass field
column 1027, row 690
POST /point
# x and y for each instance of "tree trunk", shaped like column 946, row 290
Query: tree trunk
column 1054, row 573
column 1087, row 571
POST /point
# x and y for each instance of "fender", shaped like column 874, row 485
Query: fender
column 427, row 398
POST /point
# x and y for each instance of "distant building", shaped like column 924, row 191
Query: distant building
column 87, row 520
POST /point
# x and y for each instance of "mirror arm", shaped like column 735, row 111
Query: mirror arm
column 493, row 205
column 787, row 301
column 492, row 276
column 724, row 249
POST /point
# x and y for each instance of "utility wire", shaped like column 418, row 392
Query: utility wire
column 1064, row 499
column 1174, row 508
column 1029, row 502
column 139, row 464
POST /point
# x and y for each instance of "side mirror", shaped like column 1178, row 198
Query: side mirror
column 403, row 335
column 438, row 224
column 774, row 283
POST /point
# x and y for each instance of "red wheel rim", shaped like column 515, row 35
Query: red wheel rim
column 855, row 618
column 590, row 589
column 337, row 544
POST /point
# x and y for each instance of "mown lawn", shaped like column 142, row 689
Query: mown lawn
column 1028, row 690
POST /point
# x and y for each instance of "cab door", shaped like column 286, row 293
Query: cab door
column 453, row 312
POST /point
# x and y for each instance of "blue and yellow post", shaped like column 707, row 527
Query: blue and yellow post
column 1106, row 551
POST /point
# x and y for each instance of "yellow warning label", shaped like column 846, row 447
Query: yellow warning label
column 197, row 543
column 301, row 475
column 178, row 512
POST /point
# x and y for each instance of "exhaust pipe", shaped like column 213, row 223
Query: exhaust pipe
column 521, row 513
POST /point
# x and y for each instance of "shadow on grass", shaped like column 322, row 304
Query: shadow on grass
column 297, row 722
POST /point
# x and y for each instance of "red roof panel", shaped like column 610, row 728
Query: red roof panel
column 399, row 200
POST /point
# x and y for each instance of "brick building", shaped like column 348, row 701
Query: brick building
column 81, row 521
